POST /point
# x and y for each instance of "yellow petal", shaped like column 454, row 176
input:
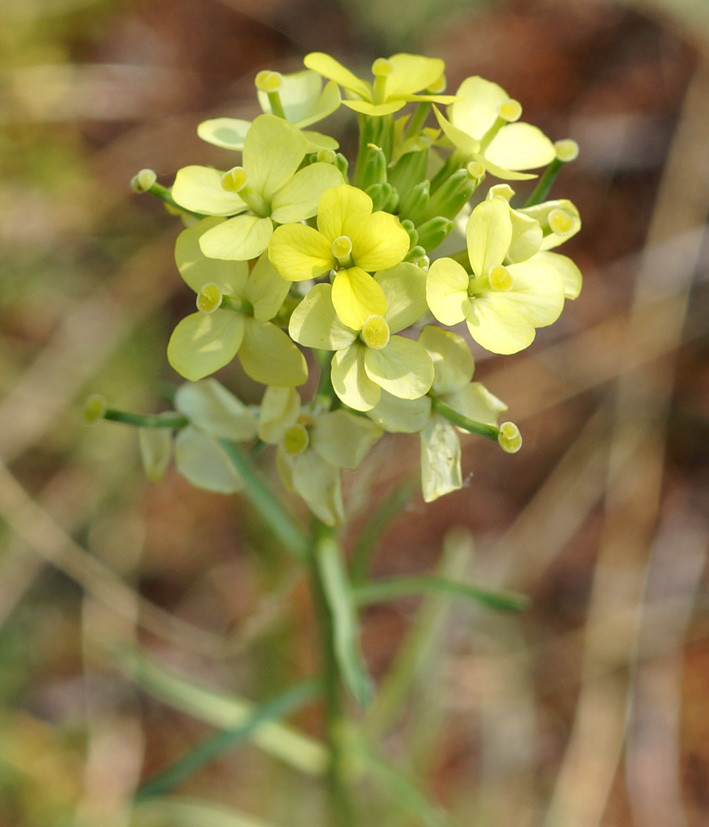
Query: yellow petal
column 318, row 483
column 265, row 289
column 197, row 270
column 202, row 461
column 403, row 368
column 268, row 355
column 350, row 381
column 228, row 133
column 299, row 252
column 204, row 342
column 380, row 242
column 477, row 112
column 447, row 290
column 279, row 410
column 401, row 416
column 273, row 150
column 342, row 211
column 238, row 239
column 356, row 296
column 440, row 459
column 412, row 73
column 299, row 197
column 200, row 190
column 520, row 146
column 453, row 362
column 332, row 69
column 215, row 410
column 344, row 439
column 314, row 322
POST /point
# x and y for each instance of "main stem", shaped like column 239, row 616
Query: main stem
column 342, row 811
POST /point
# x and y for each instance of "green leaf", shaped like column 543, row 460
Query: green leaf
column 278, row 707
column 382, row 591
column 338, row 594
column 221, row 710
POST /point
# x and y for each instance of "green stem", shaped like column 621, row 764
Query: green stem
column 325, row 394
column 342, row 811
column 164, row 194
column 147, row 420
column 265, row 502
column 479, row 428
column 545, row 183
column 417, row 119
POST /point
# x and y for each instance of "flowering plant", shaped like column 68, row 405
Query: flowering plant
column 365, row 267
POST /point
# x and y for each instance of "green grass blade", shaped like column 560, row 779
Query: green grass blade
column 278, row 707
column 338, row 594
column 223, row 711
column 397, row 588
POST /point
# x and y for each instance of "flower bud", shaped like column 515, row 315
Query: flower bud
column 143, row 181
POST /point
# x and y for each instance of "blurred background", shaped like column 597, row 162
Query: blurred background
column 589, row 710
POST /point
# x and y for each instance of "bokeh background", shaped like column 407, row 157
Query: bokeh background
column 589, row 710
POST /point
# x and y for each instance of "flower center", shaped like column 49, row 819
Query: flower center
column 500, row 278
column 341, row 249
column 209, row 298
column 237, row 180
column 375, row 333
column 296, row 439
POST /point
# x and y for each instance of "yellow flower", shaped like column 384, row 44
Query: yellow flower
column 351, row 240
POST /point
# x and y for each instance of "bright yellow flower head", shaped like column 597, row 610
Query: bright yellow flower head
column 397, row 80
column 351, row 240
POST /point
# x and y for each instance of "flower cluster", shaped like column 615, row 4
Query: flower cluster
column 368, row 265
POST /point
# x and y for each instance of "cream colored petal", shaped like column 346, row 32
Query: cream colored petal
column 477, row 403
column 376, row 110
column 228, row 133
column 565, row 267
column 404, row 288
column 403, row 368
column 332, row 69
column 299, row 197
column 477, row 112
column 453, row 362
column 318, row 483
column 314, row 322
column 401, row 416
column 489, row 234
column 200, row 190
column 520, row 146
column 265, row 289
column 155, row 451
column 344, row 439
column 412, row 73
column 197, row 270
column 215, row 410
column 273, row 150
column 204, row 342
column 460, row 139
column 238, row 239
column 268, row 355
column 350, row 381
column 440, row 459
column 202, row 461
column 447, row 291
column 279, row 410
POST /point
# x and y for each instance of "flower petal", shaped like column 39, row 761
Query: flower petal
column 565, row 267
column 299, row 252
column 342, row 211
column 350, row 381
column 265, row 289
column 477, row 112
column 356, row 297
column 404, row 288
column 155, row 451
column 412, row 73
column 228, row 133
column 202, row 461
column 318, row 483
column 401, row 416
column 314, row 322
column 453, row 362
column 200, row 190
column 204, row 342
column 477, row 403
column 299, row 197
column 279, row 410
column 380, row 242
column 520, row 146
column 403, row 368
column 215, row 410
column 489, row 234
column 440, row 459
column 273, row 150
column 268, row 355
column 344, row 439
column 197, row 270
column 376, row 110
column 332, row 69
column 238, row 239
column 447, row 290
